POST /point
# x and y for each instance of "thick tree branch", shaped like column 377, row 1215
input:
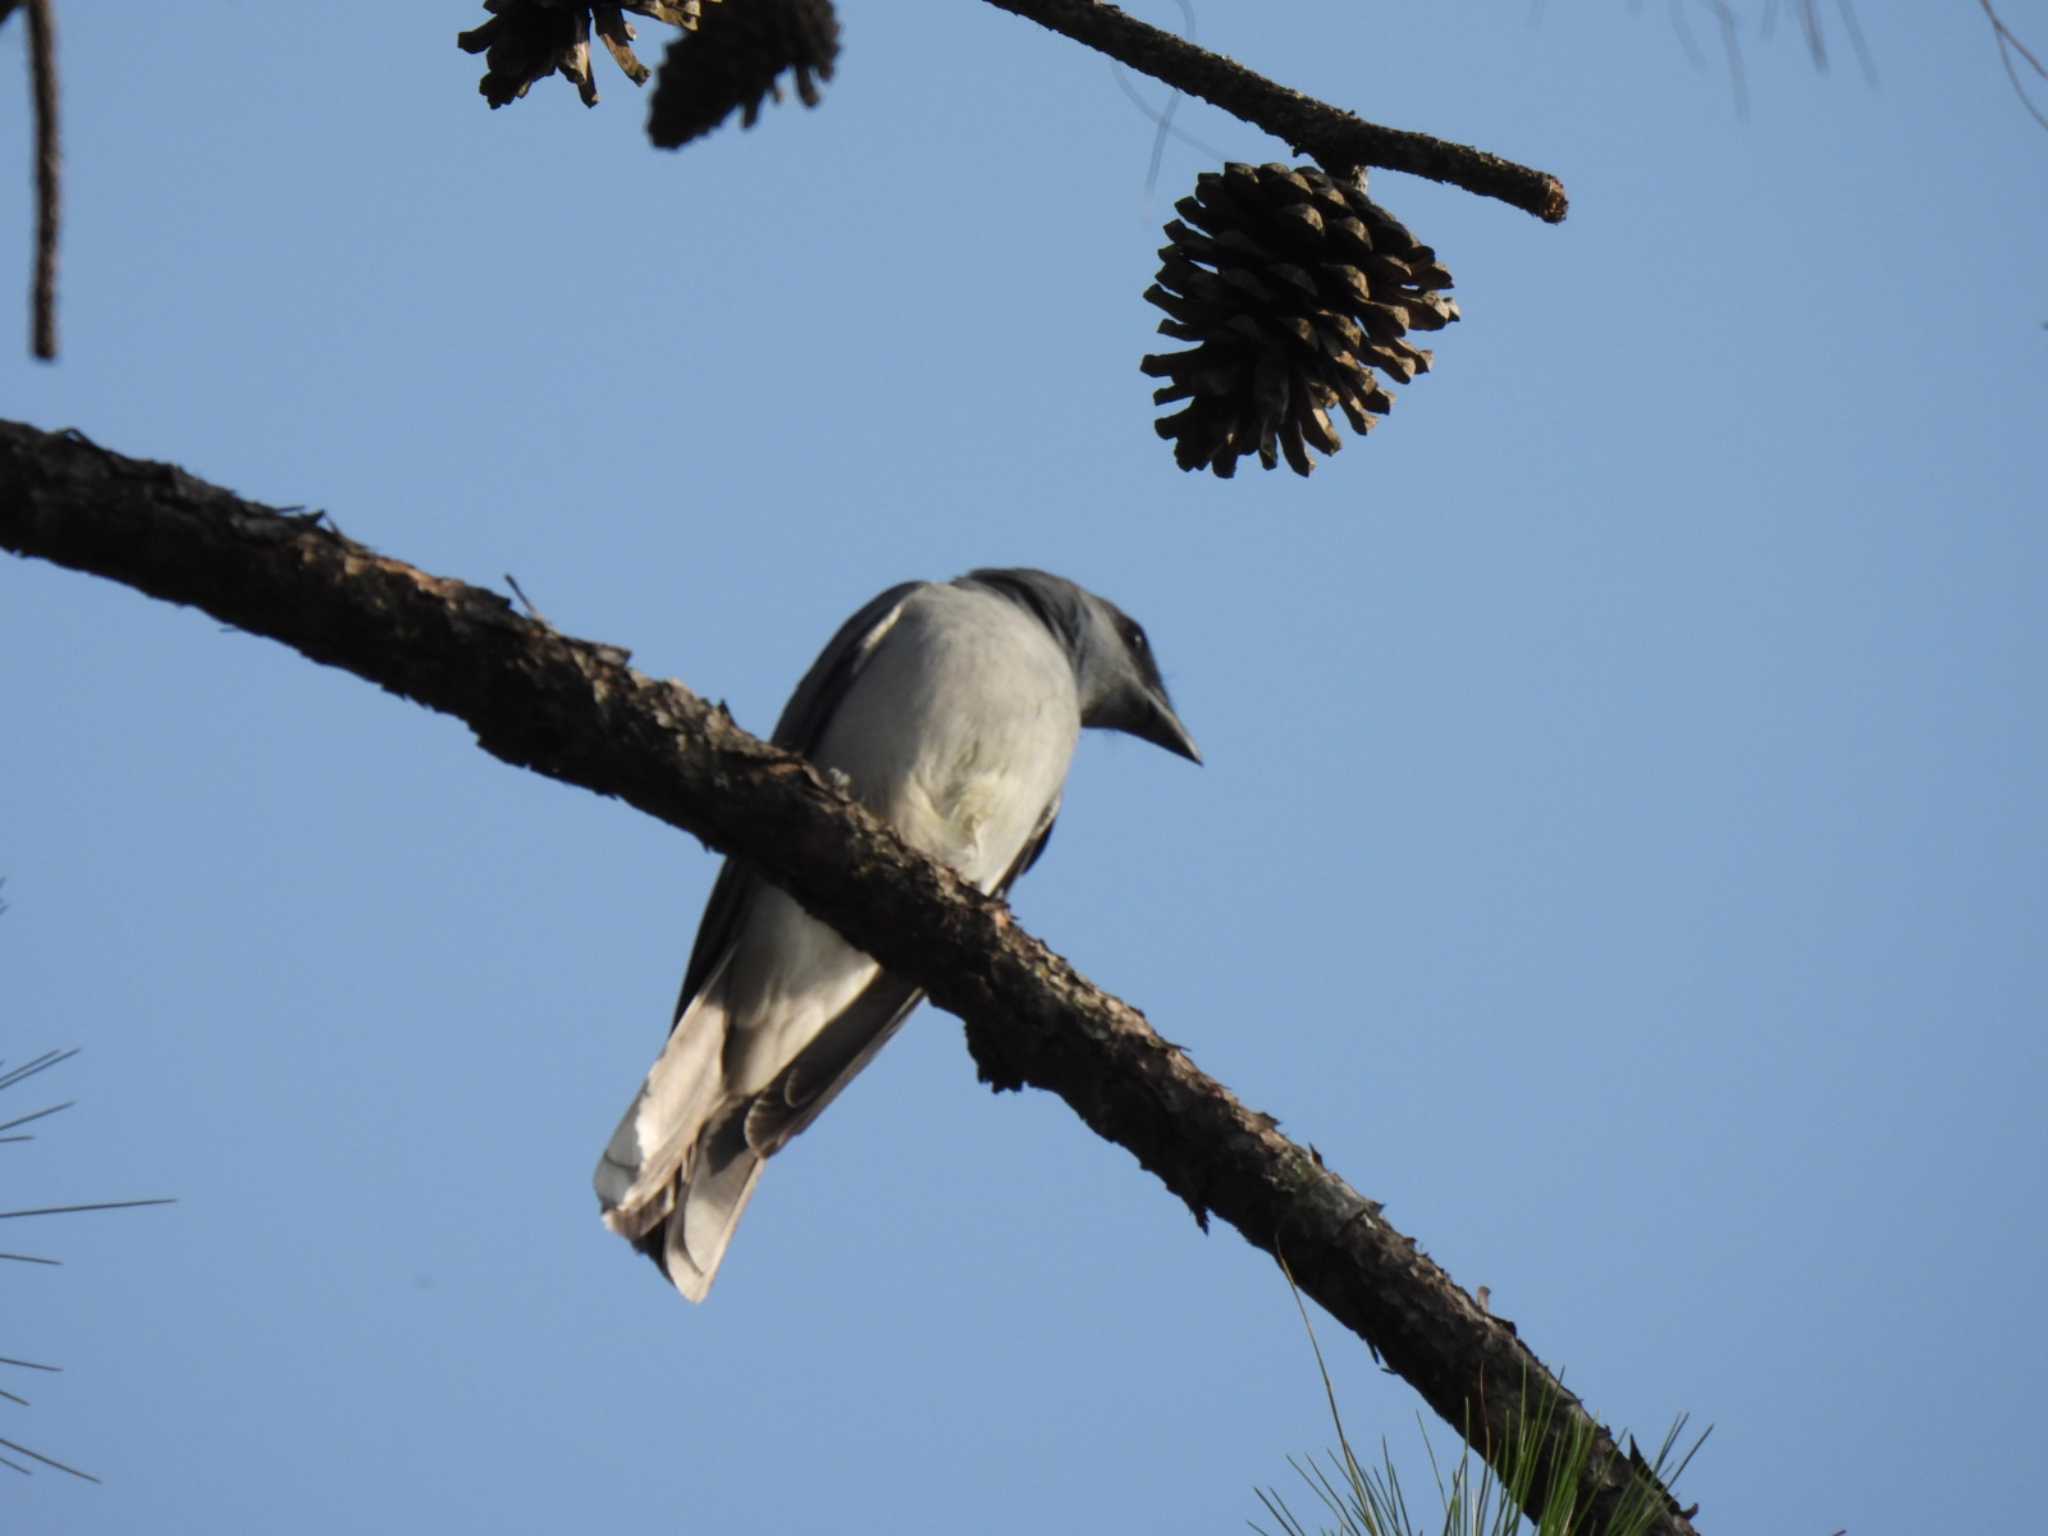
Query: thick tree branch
column 574, row 710
column 1340, row 140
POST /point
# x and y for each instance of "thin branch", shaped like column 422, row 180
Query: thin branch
column 575, row 711
column 2009, row 45
column 1340, row 140
column 42, row 49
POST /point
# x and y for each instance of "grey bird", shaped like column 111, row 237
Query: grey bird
column 952, row 710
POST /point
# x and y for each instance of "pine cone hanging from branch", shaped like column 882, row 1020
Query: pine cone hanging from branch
column 730, row 63
column 1294, row 286
column 528, row 40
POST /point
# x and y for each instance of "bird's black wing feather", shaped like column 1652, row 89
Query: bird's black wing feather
column 842, row 1048
column 1032, row 849
column 810, row 708
column 801, row 727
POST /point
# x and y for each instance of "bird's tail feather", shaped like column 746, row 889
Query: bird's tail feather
column 723, row 1174
column 679, row 1170
column 651, row 1151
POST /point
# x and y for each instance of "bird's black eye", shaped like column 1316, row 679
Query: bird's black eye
column 1134, row 637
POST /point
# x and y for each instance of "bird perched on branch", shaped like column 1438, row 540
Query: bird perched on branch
column 952, row 709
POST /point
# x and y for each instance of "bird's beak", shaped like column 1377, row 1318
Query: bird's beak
column 1161, row 726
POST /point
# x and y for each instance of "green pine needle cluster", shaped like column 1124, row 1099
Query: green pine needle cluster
column 1475, row 1499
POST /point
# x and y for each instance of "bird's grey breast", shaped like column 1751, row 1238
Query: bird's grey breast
column 959, row 728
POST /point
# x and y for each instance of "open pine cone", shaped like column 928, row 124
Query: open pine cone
column 1294, row 286
column 528, row 40
column 731, row 60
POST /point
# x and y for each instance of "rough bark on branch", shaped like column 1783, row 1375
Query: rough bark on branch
column 1339, row 139
column 574, row 710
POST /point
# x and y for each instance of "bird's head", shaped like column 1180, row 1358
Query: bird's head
column 1115, row 672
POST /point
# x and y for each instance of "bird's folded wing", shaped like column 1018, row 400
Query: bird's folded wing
column 800, row 1092
column 802, row 722
column 812, row 1080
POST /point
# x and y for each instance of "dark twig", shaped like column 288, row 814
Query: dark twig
column 524, row 601
column 2009, row 45
column 42, row 50
column 1339, row 139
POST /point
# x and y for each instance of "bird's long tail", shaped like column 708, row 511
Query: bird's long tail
column 678, row 1171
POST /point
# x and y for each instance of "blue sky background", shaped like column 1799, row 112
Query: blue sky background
column 1621, row 850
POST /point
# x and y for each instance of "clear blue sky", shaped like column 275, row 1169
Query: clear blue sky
column 1621, row 848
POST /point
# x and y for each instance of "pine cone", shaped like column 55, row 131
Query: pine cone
column 1294, row 288
column 731, row 60
column 528, row 40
